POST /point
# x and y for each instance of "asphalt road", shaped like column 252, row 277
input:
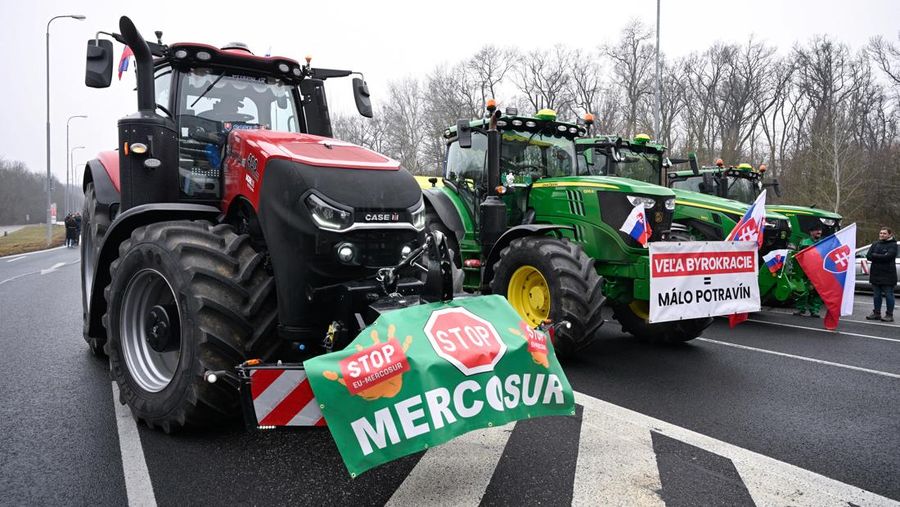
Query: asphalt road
column 774, row 412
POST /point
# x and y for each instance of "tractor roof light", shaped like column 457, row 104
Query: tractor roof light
column 745, row 166
column 490, row 105
column 562, row 128
column 546, row 114
column 588, row 119
column 517, row 123
column 283, row 67
column 641, row 139
column 762, row 168
column 720, row 162
column 531, row 124
column 181, row 54
column 204, row 56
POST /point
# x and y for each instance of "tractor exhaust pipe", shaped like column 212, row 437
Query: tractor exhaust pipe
column 143, row 64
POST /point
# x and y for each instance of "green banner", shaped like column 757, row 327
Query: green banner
column 420, row 376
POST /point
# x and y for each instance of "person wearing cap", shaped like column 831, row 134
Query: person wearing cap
column 809, row 301
column 883, row 273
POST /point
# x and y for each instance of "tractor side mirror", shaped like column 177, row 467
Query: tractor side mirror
column 361, row 96
column 709, row 184
column 464, row 133
column 775, row 186
column 99, row 62
column 695, row 167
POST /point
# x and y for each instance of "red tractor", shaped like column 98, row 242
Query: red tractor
column 229, row 225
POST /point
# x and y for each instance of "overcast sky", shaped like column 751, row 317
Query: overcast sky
column 385, row 40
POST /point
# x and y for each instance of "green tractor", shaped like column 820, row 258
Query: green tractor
column 699, row 215
column 744, row 183
column 525, row 223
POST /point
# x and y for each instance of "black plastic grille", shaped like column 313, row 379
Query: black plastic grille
column 614, row 209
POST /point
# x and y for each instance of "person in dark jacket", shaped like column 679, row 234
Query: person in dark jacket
column 883, row 273
column 70, row 230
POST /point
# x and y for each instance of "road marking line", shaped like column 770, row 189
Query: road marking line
column 53, row 268
column 435, row 478
column 616, row 462
column 802, row 358
column 138, row 487
column 770, row 482
column 821, row 330
column 869, row 322
column 37, row 252
column 18, row 276
column 16, row 259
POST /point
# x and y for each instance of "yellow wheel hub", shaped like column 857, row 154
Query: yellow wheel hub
column 640, row 308
column 529, row 294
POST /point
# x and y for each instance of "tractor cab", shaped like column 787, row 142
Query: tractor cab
column 531, row 148
column 198, row 94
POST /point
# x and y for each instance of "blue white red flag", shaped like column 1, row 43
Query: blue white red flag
column 829, row 266
column 750, row 228
column 123, row 61
column 775, row 260
column 637, row 226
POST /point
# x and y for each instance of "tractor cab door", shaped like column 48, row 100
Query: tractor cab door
column 466, row 169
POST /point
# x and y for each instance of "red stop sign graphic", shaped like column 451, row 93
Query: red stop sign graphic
column 465, row 340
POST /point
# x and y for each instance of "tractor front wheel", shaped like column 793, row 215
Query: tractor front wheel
column 95, row 222
column 186, row 298
column 545, row 278
column 633, row 318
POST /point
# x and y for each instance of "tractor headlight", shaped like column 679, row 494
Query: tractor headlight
column 827, row 221
column 327, row 216
column 648, row 202
column 670, row 204
column 418, row 217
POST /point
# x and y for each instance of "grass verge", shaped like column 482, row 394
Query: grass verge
column 30, row 239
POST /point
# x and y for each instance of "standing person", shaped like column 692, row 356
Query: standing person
column 883, row 273
column 70, row 230
column 809, row 301
column 77, row 228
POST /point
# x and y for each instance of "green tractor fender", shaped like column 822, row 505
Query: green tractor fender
column 440, row 202
column 513, row 233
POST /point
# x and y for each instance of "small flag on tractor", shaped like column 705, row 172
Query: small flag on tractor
column 123, row 60
column 775, row 260
column 829, row 266
column 637, row 226
column 750, row 228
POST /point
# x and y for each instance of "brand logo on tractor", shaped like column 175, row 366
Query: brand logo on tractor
column 382, row 217
column 465, row 340
column 838, row 260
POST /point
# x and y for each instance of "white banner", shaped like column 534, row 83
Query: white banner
column 697, row 279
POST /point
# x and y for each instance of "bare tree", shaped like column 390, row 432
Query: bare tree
column 887, row 56
column 632, row 64
column 489, row 67
column 543, row 78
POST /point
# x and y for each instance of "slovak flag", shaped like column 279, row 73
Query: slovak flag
column 123, row 61
column 637, row 226
column 829, row 266
column 750, row 228
column 775, row 260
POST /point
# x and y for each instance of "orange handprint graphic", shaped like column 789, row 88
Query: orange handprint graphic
column 537, row 343
column 376, row 371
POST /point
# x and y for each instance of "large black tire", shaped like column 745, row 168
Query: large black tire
column 576, row 292
column 94, row 224
column 214, row 283
column 633, row 319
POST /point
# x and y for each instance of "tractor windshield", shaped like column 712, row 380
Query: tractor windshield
column 239, row 101
column 525, row 156
column 743, row 189
column 630, row 164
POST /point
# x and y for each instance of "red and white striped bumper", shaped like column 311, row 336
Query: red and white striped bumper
column 279, row 396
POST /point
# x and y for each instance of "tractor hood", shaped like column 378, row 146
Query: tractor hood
column 312, row 150
column 608, row 183
column 715, row 203
column 802, row 210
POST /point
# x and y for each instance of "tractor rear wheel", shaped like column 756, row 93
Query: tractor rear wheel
column 633, row 318
column 547, row 278
column 186, row 298
column 94, row 223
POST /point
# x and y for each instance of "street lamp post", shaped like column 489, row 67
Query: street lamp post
column 49, row 177
column 657, row 113
column 70, row 166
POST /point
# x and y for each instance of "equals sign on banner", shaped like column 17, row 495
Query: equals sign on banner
column 707, row 280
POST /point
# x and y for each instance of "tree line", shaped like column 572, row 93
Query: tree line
column 822, row 116
column 23, row 195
